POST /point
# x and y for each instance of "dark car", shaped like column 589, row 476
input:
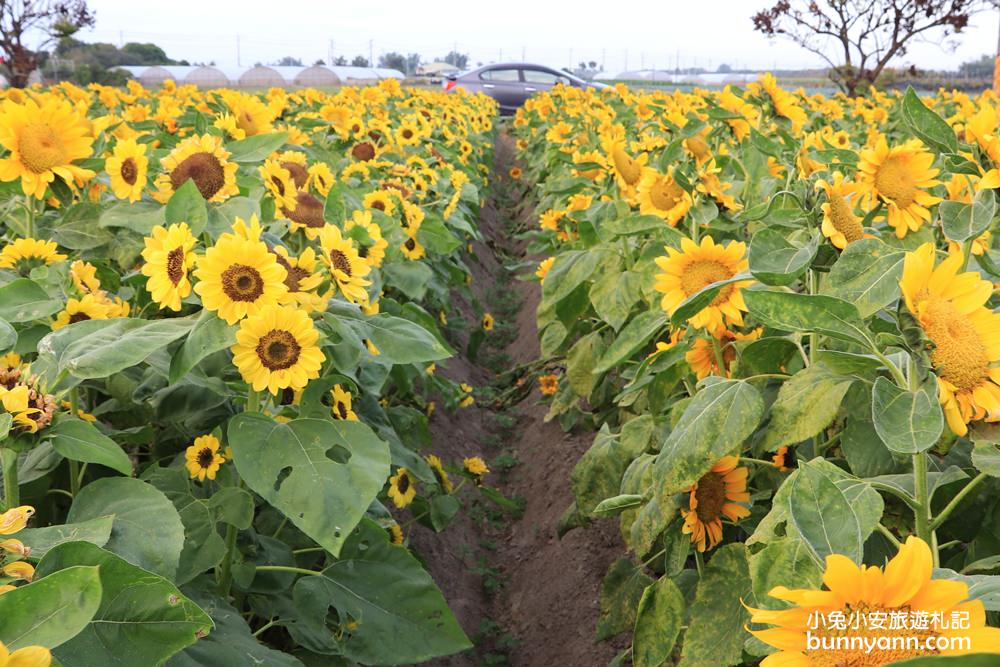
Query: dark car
column 510, row 84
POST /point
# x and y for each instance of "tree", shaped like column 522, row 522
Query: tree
column 858, row 38
column 289, row 61
column 51, row 19
column 724, row 69
column 393, row 60
column 412, row 63
column 340, row 61
column 456, row 59
column 319, row 62
column 360, row 61
column 983, row 67
column 134, row 53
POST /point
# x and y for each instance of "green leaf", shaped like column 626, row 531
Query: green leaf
column 633, row 337
column 78, row 440
column 822, row 515
column 399, row 340
column 51, row 610
column 785, row 562
column 806, row 404
column 692, row 305
column 621, row 591
column 256, row 148
column 401, row 616
column 570, row 270
column 986, row 457
column 927, row 125
column 806, row 313
column 961, row 222
column 143, row 619
column 617, row 504
column 657, row 623
column 598, row 473
column 23, row 300
column 580, row 362
column 775, row 260
column 717, row 626
column 187, row 205
column 867, row 274
column 222, row 216
column 99, row 348
column 41, row 540
column 321, row 474
column 140, row 217
column 209, row 335
column 614, row 294
column 8, row 336
column 908, row 422
column 78, row 228
column 715, row 423
column 147, row 530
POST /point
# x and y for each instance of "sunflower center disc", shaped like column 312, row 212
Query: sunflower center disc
column 242, row 283
column 340, row 262
column 843, row 219
column 711, row 496
column 278, row 350
column 958, row 351
column 895, row 182
column 175, row 265
column 702, row 273
column 665, row 194
column 40, row 148
column 205, row 457
column 204, row 169
column 129, row 172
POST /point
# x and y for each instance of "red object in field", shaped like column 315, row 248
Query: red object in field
column 449, row 84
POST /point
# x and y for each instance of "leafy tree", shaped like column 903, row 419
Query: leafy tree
column 724, row 69
column 340, row 60
column 53, row 19
column 413, row 61
column 456, row 59
column 983, row 67
column 858, row 38
column 319, row 62
column 393, row 60
column 134, row 53
column 360, row 61
column 289, row 61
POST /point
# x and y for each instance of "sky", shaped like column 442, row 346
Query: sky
column 641, row 34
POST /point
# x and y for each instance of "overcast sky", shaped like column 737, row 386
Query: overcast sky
column 639, row 33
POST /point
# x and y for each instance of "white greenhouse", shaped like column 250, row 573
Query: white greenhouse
column 259, row 76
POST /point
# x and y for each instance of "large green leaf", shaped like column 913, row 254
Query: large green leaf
column 806, row 404
column 256, row 148
column 776, row 260
column 23, row 300
column 598, row 473
column 867, row 274
column 717, row 626
column 187, row 205
column 785, row 562
column 400, row 615
column 580, row 362
column 715, row 423
column 78, row 228
column 925, row 124
column 8, row 336
column 209, row 335
column 321, row 474
column 570, row 270
column 657, row 623
column 399, row 340
column 96, row 531
column 823, row 516
column 147, row 530
column 633, row 337
column 143, row 619
column 78, row 440
column 140, row 216
column 621, row 592
column 51, row 610
column 961, row 222
column 986, row 457
column 907, row 422
column 614, row 294
column 806, row 313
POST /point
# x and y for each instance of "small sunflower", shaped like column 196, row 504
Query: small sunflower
column 237, row 277
column 402, row 488
column 694, row 267
column 302, row 278
column 412, row 249
column 22, row 255
column 396, row 534
column 702, row 356
column 548, row 384
column 341, row 404
column 475, row 466
column 487, row 322
column 321, row 178
column 543, row 269
column 169, row 255
column 203, row 458
column 371, row 245
column 380, row 200
column 89, row 307
column 84, row 275
column 713, row 496
column 276, row 349
column 840, row 224
column 278, row 181
column 659, row 194
column 346, row 266
column 899, row 177
column 468, row 398
column 203, row 160
column 127, row 168
column 439, row 473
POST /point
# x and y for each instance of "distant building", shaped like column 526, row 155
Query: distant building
column 259, row 76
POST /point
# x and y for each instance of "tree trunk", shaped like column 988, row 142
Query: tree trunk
column 22, row 63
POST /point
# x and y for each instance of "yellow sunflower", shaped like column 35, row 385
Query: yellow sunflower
column 659, row 194
column 702, row 356
column 487, row 322
column 15, row 519
column 87, row 308
column 43, row 141
column 307, row 214
column 169, row 255
column 950, row 307
column 543, row 269
column 203, row 160
column 627, row 170
column 548, row 384
column 713, row 496
column 412, row 249
column 694, row 267
column 203, row 459
column 84, row 275
column 371, row 245
column 237, row 277
column 905, row 585
column 279, row 183
column 899, row 178
column 302, row 278
column 23, row 255
column 711, row 185
column 321, row 178
column 475, row 466
column 127, row 168
column 840, row 224
column 29, row 656
column 276, row 349
column 346, row 266
column 294, row 162
column 439, row 473
column 341, row 404
column 248, row 115
column 380, row 200
column 402, row 488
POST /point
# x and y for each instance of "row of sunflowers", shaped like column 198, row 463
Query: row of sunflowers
column 220, row 315
column 776, row 310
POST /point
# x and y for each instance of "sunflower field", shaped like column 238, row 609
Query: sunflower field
column 220, row 314
column 777, row 311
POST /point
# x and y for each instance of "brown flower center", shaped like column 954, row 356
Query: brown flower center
column 403, row 483
column 129, row 171
column 308, row 211
column 711, row 496
column 279, row 185
column 410, row 244
column 278, row 350
column 341, row 409
column 204, row 169
column 297, row 172
column 175, row 265
column 339, row 261
column 242, row 283
column 78, row 317
column 363, row 152
column 205, row 457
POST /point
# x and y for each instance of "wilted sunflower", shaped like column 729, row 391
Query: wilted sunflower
column 280, row 184
column 43, row 141
column 627, row 170
column 127, row 168
column 346, row 266
column 711, row 185
column 340, row 404
column 169, row 256
column 659, row 194
column 90, row 307
column 237, row 277
column 906, row 585
column 22, row 255
column 276, row 349
column 713, row 496
column 950, row 307
column 203, row 458
column 15, row 519
column 840, row 224
column 694, row 267
column 439, row 473
column 899, row 177
column 402, row 488
column 203, row 160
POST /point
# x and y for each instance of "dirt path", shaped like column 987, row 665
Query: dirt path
column 526, row 597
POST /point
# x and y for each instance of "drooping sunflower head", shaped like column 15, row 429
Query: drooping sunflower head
column 302, row 279
column 715, row 495
column 201, row 159
column 694, row 267
column 203, row 459
column 127, row 169
column 440, row 474
column 840, row 224
column 899, row 178
column 659, row 194
column 276, row 349
column 84, row 276
column 237, row 277
column 169, row 256
column 402, row 488
column 250, row 114
column 340, row 404
column 627, row 170
column 22, row 255
column 294, row 162
column 347, row 268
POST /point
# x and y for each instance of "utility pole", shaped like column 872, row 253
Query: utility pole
column 371, row 58
column 238, row 64
column 329, row 54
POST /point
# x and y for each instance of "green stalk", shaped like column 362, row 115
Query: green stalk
column 226, row 571
column 950, row 507
column 11, row 491
column 75, row 475
column 253, row 401
column 30, row 231
column 286, row 568
column 922, row 510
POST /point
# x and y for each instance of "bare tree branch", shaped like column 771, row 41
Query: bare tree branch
column 52, row 19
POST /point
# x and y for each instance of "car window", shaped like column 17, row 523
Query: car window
column 538, row 76
column 499, row 75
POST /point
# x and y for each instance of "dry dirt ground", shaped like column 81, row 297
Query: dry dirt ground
column 526, row 597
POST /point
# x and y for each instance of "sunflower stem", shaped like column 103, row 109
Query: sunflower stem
column 74, row 466
column 959, row 497
column 11, row 491
column 887, row 534
column 922, row 510
column 287, row 568
column 226, row 571
column 253, row 401
column 697, row 562
column 897, row 374
column 813, row 337
column 30, row 225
